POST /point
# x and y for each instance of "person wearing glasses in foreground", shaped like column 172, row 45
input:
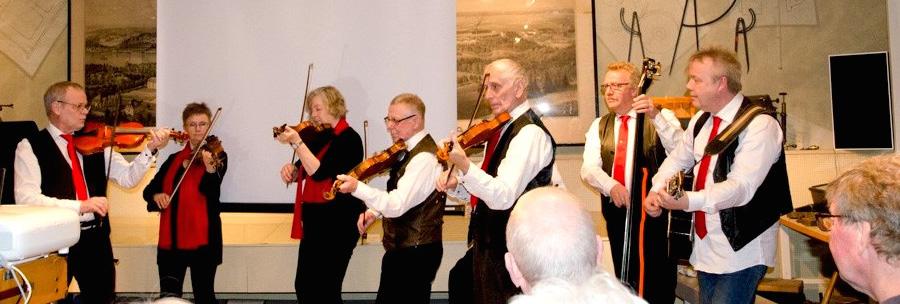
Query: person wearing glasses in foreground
column 864, row 203
column 412, row 209
column 50, row 172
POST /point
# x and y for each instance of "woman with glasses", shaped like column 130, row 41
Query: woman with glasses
column 190, row 229
column 327, row 228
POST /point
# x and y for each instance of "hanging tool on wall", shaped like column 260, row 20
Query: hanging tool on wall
column 633, row 30
column 696, row 27
column 741, row 29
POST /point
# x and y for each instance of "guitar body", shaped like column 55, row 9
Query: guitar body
column 681, row 225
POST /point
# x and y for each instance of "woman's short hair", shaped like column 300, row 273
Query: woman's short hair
column 334, row 101
column 195, row 108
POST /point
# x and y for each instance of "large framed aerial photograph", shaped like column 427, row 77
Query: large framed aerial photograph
column 120, row 60
column 552, row 40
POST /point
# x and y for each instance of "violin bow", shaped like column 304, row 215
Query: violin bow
column 196, row 150
column 302, row 112
column 112, row 140
column 471, row 119
column 365, row 234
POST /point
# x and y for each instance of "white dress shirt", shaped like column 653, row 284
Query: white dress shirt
column 760, row 145
column 668, row 128
column 528, row 152
column 416, row 184
column 28, row 173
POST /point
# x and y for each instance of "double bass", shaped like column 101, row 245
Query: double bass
column 649, row 71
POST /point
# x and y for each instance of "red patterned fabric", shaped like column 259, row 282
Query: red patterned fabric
column 488, row 157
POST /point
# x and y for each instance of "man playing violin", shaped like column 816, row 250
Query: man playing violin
column 608, row 167
column 412, row 209
column 50, row 172
column 190, row 229
column 327, row 227
column 518, row 157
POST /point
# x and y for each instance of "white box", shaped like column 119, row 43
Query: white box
column 30, row 231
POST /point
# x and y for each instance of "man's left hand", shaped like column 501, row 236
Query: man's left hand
column 643, row 104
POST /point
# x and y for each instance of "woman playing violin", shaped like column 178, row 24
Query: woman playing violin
column 327, row 228
column 190, row 229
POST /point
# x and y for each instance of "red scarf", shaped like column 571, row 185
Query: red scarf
column 309, row 190
column 192, row 219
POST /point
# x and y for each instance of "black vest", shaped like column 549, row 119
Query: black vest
column 487, row 226
column 771, row 200
column 421, row 224
column 654, row 152
column 56, row 173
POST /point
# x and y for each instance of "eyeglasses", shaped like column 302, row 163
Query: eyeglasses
column 78, row 107
column 825, row 221
column 198, row 124
column 614, row 86
column 390, row 121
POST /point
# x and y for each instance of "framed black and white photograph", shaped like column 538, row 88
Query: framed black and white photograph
column 120, row 60
column 552, row 40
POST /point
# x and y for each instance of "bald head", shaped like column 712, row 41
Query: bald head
column 551, row 235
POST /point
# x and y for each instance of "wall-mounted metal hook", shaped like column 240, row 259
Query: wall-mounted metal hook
column 696, row 26
column 633, row 30
column 741, row 29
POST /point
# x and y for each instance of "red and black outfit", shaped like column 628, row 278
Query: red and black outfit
column 327, row 229
column 190, row 229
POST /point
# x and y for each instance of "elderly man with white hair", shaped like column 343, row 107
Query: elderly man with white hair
column 554, row 252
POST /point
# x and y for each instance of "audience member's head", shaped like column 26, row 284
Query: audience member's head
column 554, row 251
column 865, row 234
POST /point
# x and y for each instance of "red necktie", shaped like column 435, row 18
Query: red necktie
column 488, row 156
column 77, row 177
column 700, row 216
column 621, row 151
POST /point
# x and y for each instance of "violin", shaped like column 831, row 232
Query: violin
column 308, row 130
column 213, row 145
column 96, row 136
column 372, row 166
column 475, row 135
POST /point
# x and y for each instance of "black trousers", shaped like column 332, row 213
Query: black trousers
column 172, row 268
column 407, row 274
column 659, row 269
column 91, row 262
column 480, row 276
column 321, row 267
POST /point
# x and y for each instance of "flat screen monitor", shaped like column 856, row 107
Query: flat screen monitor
column 861, row 101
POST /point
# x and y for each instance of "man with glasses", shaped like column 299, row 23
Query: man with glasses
column 412, row 209
column 740, row 184
column 865, row 236
column 50, row 172
column 608, row 166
